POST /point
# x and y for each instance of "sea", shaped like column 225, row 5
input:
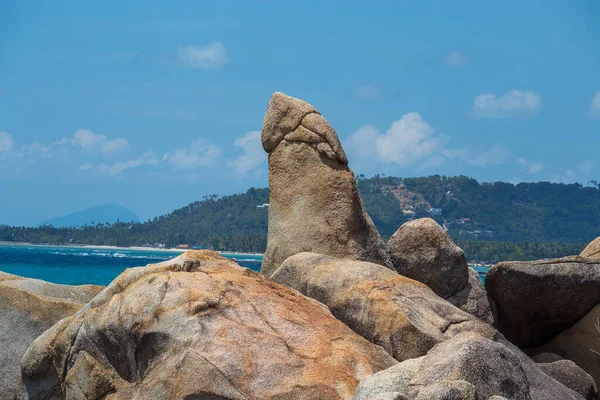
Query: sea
column 76, row 265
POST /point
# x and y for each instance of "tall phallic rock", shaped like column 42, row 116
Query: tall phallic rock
column 198, row 327
column 315, row 205
column 28, row 307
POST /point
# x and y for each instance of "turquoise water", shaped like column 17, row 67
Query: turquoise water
column 79, row 266
column 481, row 271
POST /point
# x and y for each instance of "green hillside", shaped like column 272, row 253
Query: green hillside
column 491, row 221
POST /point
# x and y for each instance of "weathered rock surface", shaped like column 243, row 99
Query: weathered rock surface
column 592, row 250
column 28, row 307
column 314, row 205
column 403, row 316
column 422, row 251
column 466, row 367
column 580, row 343
column 199, row 327
column 572, row 376
column 474, row 299
column 536, row 300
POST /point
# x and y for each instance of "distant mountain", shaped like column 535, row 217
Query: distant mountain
column 104, row 213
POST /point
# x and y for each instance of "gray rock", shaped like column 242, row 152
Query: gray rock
column 467, row 366
column 580, row 344
column 315, row 204
column 573, row 377
column 198, row 327
column 28, row 307
column 546, row 358
column 421, row 250
column 537, row 300
column 474, row 299
column 403, row 316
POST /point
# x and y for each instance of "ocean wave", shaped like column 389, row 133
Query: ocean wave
column 109, row 254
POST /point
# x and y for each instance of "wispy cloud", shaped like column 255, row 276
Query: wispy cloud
column 586, row 166
column 92, row 142
column 117, row 168
column 198, row 154
column 210, row 56
column 6, row 142
column 252, row 156
column 531, row 167
column 455, row 58
column 595, row 106
column 516, row 103
column 366, row 92
column 495, row 156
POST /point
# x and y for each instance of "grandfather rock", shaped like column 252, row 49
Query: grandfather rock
column 403, row 316
column 198, row 327
column 592, row 250
column 537, row 300
column 421, row 250
column 474, row 299
column 28, row 307
column 465, row 367
column 314, row 205
column 580, row 343
column 572, row 376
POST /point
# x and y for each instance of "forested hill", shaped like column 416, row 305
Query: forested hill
column 474, row 214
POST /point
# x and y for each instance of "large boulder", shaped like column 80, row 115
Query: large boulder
column 572, row 376
column 314, row 205
column 592, row 250
column 466, row 367
column 28, row 307
column 580, row 343
column 474, row 299
column 423, row 251
column 403, row 316
column 537, row 300
column 199, row 327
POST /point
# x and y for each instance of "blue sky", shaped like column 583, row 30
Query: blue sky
column 151, row 105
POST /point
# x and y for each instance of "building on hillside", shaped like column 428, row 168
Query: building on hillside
column 435, row 211
column 183, row 246
column 262, row 205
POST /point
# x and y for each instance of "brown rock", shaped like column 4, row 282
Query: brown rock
column 315, row 204
column 421, row 250
column 592, row 250
column 28, row 307
column 466, row 367
column 573, row 377
column 580, row 343
column 474, row 299
column 536, row 300
column 199, row 327
column 401, row 315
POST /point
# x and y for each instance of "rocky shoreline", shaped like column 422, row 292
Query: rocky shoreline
column 336, row 312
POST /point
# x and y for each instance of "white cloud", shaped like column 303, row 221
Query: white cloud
column 198, row 154
column 595, row 105
column 253, row 154
column 516, row 103
column 92, row 142
column 530, row 166
column 565, row 176
column 117, row 168
column 211, row 56
column 367, row 92
column 407, row 142
column 495, row 156
column 586, row 166
column 455, row 58
column 6, row 142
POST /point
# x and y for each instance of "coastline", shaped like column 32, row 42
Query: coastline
column 132, row 248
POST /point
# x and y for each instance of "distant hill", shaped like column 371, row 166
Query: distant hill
column 547, row 219
column 104, row 213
